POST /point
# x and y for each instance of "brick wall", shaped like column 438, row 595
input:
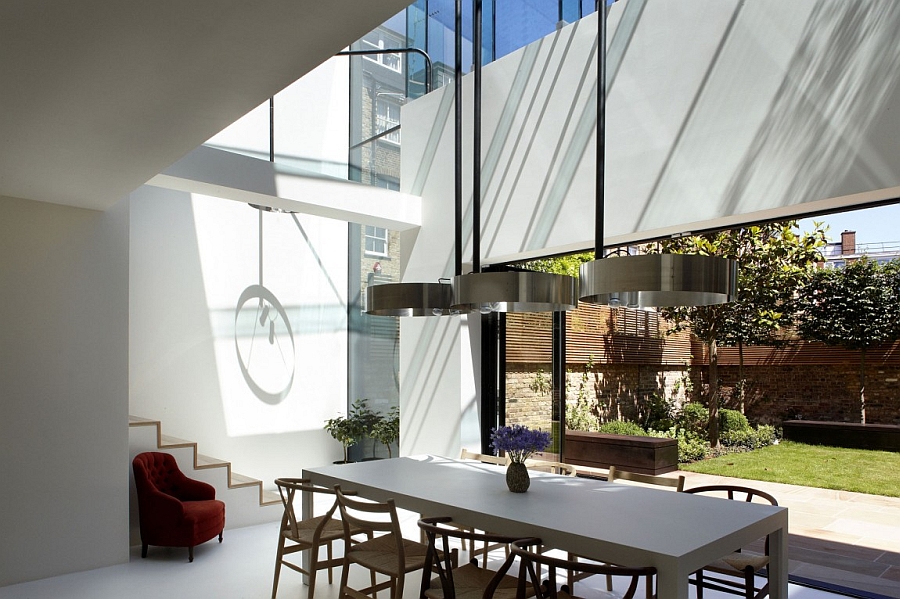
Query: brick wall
column 815, row 392
column 621, row 391
column 773, row 393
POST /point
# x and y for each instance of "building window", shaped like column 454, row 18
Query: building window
column 390, row 60
column 376, row 241
column 387, row 116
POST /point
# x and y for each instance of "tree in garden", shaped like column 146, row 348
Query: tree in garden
column 560, row 265
column 773, row 262
column 855, row 307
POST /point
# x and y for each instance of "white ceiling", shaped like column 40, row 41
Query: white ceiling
column 98, row 96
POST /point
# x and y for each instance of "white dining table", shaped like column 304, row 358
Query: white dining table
column 677, row 533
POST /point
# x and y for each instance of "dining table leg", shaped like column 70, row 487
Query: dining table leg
column 778, row 563
column 671, row 582
column 306, row 513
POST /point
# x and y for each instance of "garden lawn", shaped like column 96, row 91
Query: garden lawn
column 860, row 470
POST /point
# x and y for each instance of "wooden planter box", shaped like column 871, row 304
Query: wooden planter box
column 646, row 455
column 885, row 437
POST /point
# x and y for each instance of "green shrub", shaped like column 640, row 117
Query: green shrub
column 763, row 436
column 694, row 418
column 733, row 421
column 580, row 416
column 691, row 448
column 659, row 413
column 620, row 427
column 768, row 435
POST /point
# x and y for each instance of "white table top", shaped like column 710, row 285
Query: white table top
column 675, row 532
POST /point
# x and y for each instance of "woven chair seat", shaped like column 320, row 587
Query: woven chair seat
column 739, row 561
column 380, row 554
column 470, row 581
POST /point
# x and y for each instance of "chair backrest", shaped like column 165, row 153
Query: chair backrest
column 552, row 467
column 288, row 488
column 648, row 479
column 530, row 554
column 438, row 532
column 734, row 492
column 156, row 470
column 367, row 515
column 465, row 454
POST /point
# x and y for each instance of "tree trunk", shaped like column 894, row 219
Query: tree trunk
column 862, row 386
column 713, row 401
column 741, row 376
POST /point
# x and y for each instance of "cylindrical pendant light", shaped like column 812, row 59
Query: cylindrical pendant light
column 512, row 291
column 409, row 299
column 647, row 279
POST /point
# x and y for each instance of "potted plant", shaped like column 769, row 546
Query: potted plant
column 344, row 431
column 387, row 429
column 363, row 420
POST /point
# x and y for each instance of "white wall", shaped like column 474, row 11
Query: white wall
column 63, row 389
column 192, row 257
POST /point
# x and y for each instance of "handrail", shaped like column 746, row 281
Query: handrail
column 428, row 86
column 428, row 80
column 422, row 53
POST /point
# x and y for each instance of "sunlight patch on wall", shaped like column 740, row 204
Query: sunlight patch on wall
column 276, row 293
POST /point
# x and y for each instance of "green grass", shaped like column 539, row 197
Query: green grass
column 860, row 470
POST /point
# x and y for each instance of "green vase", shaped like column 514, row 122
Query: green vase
column 517, row 478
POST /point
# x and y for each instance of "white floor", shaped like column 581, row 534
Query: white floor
column 241, row 567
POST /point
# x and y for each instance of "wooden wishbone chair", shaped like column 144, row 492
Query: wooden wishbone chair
column 299, row 535
column 386, row 553
column 616, row 474
column 454, row 581
column 735, row 573
column 533, row 557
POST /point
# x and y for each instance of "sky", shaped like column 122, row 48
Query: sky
column 872, row 225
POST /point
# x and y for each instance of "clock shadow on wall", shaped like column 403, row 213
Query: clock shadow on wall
column 263, row 336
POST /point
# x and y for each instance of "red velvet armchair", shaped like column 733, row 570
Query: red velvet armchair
column 175, row 511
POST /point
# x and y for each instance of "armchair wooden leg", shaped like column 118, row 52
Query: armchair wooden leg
column 191, row 553
column 144, row 550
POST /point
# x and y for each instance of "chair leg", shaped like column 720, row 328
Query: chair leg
column 699, row 584
column 345, row 570
column 749, row 583
column 279, row 556
column 144, row 550
column 191, row 553
column 220, row 535
column 330, row 560
column 313, row 568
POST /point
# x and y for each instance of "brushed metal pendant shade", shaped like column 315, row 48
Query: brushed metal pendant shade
column 509, row 291
column 514, row 291
column 659, row 280
column 646, row 279
column 409, row 299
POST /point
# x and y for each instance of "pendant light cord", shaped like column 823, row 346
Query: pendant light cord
column 601, row 130
column 476, row 138
column 458, row 153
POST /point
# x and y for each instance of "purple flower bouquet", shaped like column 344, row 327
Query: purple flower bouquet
column 519, row 442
